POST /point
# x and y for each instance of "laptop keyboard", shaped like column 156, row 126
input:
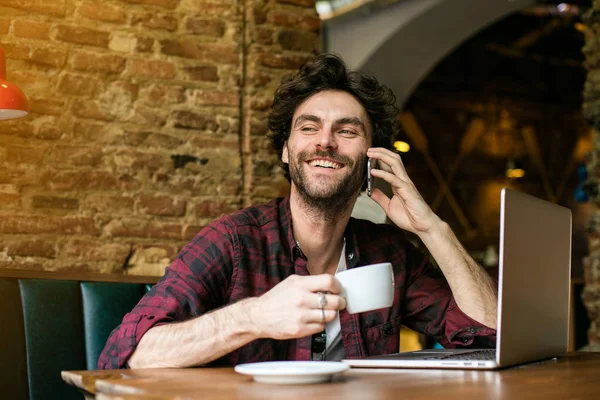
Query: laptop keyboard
column 473, row 355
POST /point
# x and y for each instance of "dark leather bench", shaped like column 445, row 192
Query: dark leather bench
column 57, row 321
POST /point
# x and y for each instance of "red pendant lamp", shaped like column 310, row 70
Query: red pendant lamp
column 13, row 103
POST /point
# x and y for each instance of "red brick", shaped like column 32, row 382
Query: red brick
column 32, row 247
column 232, row 187
column 96, row 62
column 137, row 160
column 16, row 51
column 49, row 7
column 80, row 35
column 31, row 29
column 205, row 27
column 259, row 12
column 100, row 203
column 205, row 73
column 53, row 57
column 37, row 80
column 102, row 12
column 298, row 41
column 4, row 26
column 201, row 186
column 144, row 44
column 219, row 99
column 91, row 109
column 190, row 120
column 155, row 117
column 77, row 84
column 169, row 251
column 263, row 35
column 25, row 154
column 270, row 190
column 155, row 21
column 84, row 180
column 292, row 20
column 76, row 155
column 39, row 224
column 10, row 199
column 90, row 131
column 162, row 206
column 212, row 8
column 302, row 3
column 258, row 127
column 133, row 138
column 91, row 250
column 21, row 175
column 151, row 230
column 162, row 141
column 191, row 48
column 261, row 103
column 17, row 127
column 173, row 231
column 96, row 267
column 228, row 125
column 215, row 209
column 151, row 69
column 48, row 132
column 259, row 79
column 282, row 61
column 62, row 203
column 47, row 106
column 161, row 3
column 159, row 95
column 211, row 142
column 23, row 264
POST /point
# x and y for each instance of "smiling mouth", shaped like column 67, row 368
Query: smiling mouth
column 325, row 164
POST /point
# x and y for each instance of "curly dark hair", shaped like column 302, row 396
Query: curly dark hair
column 329, row 72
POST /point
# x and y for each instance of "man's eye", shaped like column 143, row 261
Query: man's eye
column 347, row 132
column 307, row 129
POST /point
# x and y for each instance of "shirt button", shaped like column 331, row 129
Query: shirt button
column 472, row 330
column 387, row 330
column 350, row 256
column 465, row 339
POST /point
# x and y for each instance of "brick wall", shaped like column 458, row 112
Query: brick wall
column 147, row 122
column 591, row 109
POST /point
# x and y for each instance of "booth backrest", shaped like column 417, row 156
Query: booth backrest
column 54, row 322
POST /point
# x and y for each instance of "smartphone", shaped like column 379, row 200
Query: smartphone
column 370, row 165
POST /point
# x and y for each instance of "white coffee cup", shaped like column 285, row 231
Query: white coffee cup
column 367, row 288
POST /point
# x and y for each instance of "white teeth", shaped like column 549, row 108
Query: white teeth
column 324, row 164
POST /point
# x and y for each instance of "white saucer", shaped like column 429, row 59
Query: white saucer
column 292, row 372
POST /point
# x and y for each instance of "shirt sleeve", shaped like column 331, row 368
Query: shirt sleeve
column 195, row 283
column 430, row 308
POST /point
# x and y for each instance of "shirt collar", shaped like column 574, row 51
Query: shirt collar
column 285, row 221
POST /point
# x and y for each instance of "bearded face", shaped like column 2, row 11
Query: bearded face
column 326, row 151
column 326, row 189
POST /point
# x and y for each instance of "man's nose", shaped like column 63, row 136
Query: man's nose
column 326, row 139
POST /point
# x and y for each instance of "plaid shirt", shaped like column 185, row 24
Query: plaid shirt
column 247, row 253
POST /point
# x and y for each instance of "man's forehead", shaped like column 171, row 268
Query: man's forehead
column 332, row 106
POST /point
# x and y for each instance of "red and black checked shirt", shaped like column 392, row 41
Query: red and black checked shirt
column 247, row 253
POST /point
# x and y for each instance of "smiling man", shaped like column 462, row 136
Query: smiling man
column 259, row 284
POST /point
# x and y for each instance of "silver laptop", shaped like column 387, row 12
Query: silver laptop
column 533, row 293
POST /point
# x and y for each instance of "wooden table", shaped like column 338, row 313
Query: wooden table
column 576, row 376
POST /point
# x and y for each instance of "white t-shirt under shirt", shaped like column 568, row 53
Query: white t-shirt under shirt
column 334, row 348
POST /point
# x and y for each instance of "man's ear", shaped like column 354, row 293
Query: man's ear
column 284, row 155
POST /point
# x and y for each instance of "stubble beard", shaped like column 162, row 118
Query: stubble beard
column 327, row 200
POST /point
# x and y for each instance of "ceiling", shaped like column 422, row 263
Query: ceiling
column 514, row 89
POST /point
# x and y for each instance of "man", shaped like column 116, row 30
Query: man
column 259, row 284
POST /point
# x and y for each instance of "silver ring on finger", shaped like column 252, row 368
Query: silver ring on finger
column 322, row 300
column 322, row 316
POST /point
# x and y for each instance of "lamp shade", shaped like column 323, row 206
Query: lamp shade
column 13, row 103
